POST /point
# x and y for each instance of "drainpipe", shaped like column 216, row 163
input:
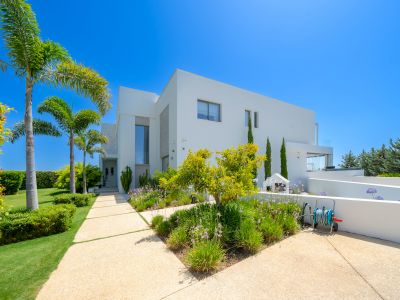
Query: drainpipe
column 316, row 133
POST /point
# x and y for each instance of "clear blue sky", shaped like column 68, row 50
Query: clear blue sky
column 339, row 58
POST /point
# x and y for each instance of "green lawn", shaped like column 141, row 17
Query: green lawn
column 45, row 198
column 25, row 266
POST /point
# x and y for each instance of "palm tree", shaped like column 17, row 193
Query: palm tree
column 39, row 61
column 87, row 141
column 71, row 124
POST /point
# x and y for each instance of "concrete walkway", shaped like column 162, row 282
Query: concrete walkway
column 116, row 256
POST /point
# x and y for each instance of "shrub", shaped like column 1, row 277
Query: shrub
column 156, row 221
column 144, row 199
column 205, row 256
column 78, row 200
column 44, row 179
column 11, row 181
column 271, row 230
column 178, row 238
column 289, row 224
column 247, row 237
column 93, row 176
column 126, row 179
column 20, row 226
column 164, row 228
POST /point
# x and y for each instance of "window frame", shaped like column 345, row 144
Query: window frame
column 146, row 158
column 208, row 110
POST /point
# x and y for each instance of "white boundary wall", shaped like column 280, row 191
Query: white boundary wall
column 340, row 188
column 374, row 218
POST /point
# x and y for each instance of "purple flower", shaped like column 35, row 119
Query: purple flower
column 379, row 198
column 323, row 194
column 371, row 191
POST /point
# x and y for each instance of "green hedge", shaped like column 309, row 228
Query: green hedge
column 44, row 179
column 11, row 181
column 78, row 200
column 26, row 225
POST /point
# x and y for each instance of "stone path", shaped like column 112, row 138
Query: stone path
column 117, row 256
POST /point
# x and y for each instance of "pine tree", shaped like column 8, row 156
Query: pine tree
column 393, row 157
column 349, row 160
column 267, row 162
column 284, row 170
column 365, row 162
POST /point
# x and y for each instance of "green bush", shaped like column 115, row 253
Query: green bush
column 389, row 175
column 289, row 224
column 205, row 256
column 44, row 179
column 11, row 181
column 20, row 226
column 126, row 179
column 78, row 200
column 93, row 176
column 142, row 199
column 178, row 238
column 271, row 230
column 247, row 237
column 164, row 228
column 156, row 221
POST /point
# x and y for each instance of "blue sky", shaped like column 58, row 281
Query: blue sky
column 339, row 58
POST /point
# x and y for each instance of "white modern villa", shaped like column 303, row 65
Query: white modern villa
column 153, row 132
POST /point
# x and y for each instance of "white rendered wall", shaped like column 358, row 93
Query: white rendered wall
column 277, row 120
column 374, row 218
column 341, row 188
column 110, row 131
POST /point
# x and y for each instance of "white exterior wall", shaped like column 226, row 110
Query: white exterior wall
column 374, row 218
column 277, row 120
column 341, row 188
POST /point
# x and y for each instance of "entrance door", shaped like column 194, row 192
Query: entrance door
column 109, row 173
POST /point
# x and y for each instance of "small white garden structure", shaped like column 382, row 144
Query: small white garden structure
column 276, row 184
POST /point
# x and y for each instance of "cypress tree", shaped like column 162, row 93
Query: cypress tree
column 284, row 171
column 267, row 162
column 250, row 140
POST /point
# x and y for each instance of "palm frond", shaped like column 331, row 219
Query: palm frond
column 84, row 118
column 21, row 35
column 80, row 141
column 83, row 80
column 40, row 127
column 94, row 150
column 53, row 53
column 60, row 110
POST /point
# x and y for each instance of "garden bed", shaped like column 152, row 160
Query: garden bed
column 209, row 238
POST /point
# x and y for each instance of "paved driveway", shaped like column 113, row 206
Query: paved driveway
column 117, row 256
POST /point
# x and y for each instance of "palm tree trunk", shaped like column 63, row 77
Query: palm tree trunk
column 31, row 187
column 72, row 188
column 84, row 173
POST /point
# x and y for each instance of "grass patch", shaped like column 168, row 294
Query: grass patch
column 46, row 197
column 25, row 266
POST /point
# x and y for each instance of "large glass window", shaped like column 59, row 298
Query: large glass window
column 208, row 111
column 142, row 144
column 255, row 119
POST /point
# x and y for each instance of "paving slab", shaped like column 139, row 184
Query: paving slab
column 304, row 266
column 131, row 266
column 96, row 228
column 96, row 212
column 376, row 260
column 166, row 212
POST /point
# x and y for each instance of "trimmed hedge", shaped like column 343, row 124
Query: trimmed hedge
column 11, row 181
column 44, row 179
column 78, row 200
column 26, row 225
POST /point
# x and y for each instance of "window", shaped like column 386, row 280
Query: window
column 142, row 144
column 208, row 111
column 246, row 117
column 255, row 119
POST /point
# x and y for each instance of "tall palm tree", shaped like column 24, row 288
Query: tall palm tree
column 88, row 142
column 70, row 123
column 39, row 61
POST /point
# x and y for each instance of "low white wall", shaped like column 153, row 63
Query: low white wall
column 374, row 218
column 351, row 189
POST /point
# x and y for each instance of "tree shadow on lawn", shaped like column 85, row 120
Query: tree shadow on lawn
column 57, row 193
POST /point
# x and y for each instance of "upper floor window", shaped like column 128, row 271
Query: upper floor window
column 208, row 111
column 255, row 119
column 142, row 144
column 246, row 117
